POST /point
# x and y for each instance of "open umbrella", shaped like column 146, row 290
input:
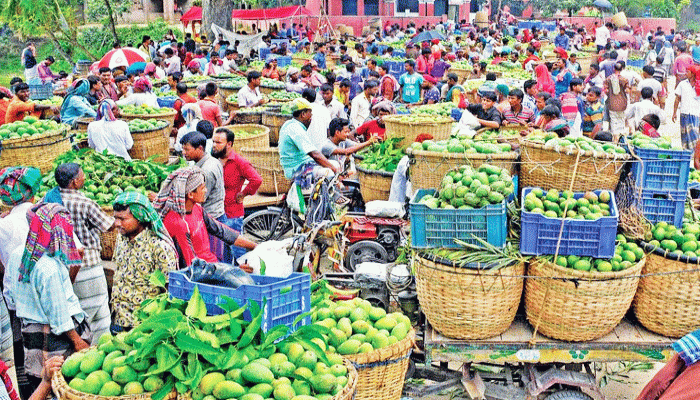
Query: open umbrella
column 602, row 4
column 427, row 36
column 122, row 57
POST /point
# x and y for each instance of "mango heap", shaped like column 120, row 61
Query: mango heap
column 169, row 93
column 552, row 204
column 252, row 110
column 552, row 141
column 245, row 133
column 53, row 101
column 626, row 255
column 358, row 327
column 465, row 145
column 234, row 83
column 442, row 109
column 418, row 118
column 676, row 241
column 140, row 125
column 694, row 175
column 28, row 127
column 271, row 83
column 467, row 188
column 283, row 96
column 645, row 142
column 145, row 110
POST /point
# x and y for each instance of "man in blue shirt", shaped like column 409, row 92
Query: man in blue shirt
column 562, row 40
column 561, row 83
column 410, row 84
column 320, row 56
column 695, row 51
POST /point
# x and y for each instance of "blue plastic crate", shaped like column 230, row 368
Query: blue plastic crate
column 456, row 114
column 167, row 101
column 431, row 228
column 668, row 206
column 41, row 92
column 662, row 169
column 281, row 308
column 539, row 234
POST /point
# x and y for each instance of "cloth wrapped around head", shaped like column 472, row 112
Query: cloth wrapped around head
column 193, row 64
column 80, row 88
column 142, row 209
column 50, row 233
column 150, row 68
column 695, row 70
column 18, row 184
column 104, row 111
column 175, row 189
column 385, row 105
column 143, row 84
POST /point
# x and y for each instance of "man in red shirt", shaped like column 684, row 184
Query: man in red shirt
column 183, row 98
column 210, row 108
column 237, row 170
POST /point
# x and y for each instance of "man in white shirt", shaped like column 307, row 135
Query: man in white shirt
column 172, row 62
column 362, row 103
column 249, row 95
column 230, row 64
column 334, row 107
column 689, row 103
column 649, row 81
column 639, row 110
column 602, row 34
column 109, row 133
column 320, row 119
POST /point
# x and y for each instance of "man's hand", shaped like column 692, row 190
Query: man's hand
column 673, row 119
column 51, row 366
column 239, row 197
column 80, row 345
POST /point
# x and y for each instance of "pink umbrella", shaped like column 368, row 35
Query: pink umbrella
column 122, row 57
column 623, row 36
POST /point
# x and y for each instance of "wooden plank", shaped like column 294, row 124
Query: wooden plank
column 259, row 200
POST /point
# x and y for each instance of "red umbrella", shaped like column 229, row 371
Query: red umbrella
column 122, row 57
column 623, row 36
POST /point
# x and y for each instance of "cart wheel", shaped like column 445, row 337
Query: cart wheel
column 411, row 369
column 266, row 225
column 364, row 251
column 568, row 395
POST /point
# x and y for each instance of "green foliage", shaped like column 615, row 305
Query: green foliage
column 97, row 10
column 656, row 8
column 549, row 7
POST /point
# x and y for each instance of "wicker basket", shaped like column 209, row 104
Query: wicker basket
column 151, row 143
column 440, row 129
column 381, row 373
column 259, row 141
column 232, row 106
column 81, row 124
column 427, row 168
column 166, row 116
column 108, row 240
column 64, row 392
column 468, row 303
column 248, row 118
column 462, row 74
column 578, row 305
column 37, row 151
column 224, row 93
column 274, row 121
column 549, row 169
column 266, row 160
column 669, row 304
column 268, row 90
column 374, row 185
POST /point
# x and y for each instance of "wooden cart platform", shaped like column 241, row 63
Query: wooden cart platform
column 629, row 341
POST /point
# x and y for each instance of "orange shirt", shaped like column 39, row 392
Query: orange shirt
column 18, row 109
column 3, row 110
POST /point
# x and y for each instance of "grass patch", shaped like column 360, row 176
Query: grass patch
column 11, row 66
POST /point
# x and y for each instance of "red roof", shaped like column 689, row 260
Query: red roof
column 193, row 14
column 270, row 13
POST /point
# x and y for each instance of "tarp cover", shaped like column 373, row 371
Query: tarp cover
column 247, row 42
column 193, row 14
column 270, row 13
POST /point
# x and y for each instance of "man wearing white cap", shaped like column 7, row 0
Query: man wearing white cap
column 294, row 84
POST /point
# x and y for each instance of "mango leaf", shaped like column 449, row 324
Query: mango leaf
column 157, row 278
column 311, row 346
column 226, row 337
column 233, row 357
column 252, row 329
column 161, row 321
column 164, row 391
column 178, row 373
column 196, row 307
column 301, row 317
column 181, row 387
column 148, row 347
column 166, row 359
column 254, row 308
column 263, row 267
column 189, row 344
column 273, row 334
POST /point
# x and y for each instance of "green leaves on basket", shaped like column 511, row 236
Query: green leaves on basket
column 383, row 156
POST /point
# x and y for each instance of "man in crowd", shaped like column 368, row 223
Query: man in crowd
column 249, row 96
column 109, row 89
column 362, row 104
column 334, row 107
column 20, row 106
column 410, row 83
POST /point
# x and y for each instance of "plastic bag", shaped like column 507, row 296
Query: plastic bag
column 469, row 120
column 275, row 254
column 218, row 274
column 383, row 208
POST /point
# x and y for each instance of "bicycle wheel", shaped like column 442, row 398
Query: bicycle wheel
column 266, row 225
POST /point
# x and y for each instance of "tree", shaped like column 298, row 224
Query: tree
column 55, row 18
column 216, row 12
column 550, row 7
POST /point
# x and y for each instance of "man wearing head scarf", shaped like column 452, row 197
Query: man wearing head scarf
column 39, row 281
column 109, row 133
column 89, row 221
column 76, row 104
column 142, row 95
column 179, row 203
column 294, row 84
column 143, row 247
column 375, row 127
column 687, row 94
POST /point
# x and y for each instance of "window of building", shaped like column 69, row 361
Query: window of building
column 371, row 7
column 407, row 6
column 440, row 7
column 349, row 7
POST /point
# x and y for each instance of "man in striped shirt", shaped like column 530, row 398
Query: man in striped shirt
column 517, row 114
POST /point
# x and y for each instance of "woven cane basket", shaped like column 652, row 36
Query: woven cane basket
column 669, row 304
column 82, row 123
column 266, row 160
column 225, row 92
column 232, row 106
column 151, row 143
column 439, row 129
column 427, row 168
column 37, row 151
column 64, row 392
column 568, row 304
column 550, row 169
column 108, row 240
column 248, row 118
column 468, row 303
column 259, row 141
column 461, row 73
column 374, row 185
column 381, row 373
column 274, row 121
column 268, row 90
column 167, row 114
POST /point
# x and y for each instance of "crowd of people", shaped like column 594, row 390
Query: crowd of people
column 50, row 247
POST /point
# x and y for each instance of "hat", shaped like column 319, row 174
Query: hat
column 299, row 104
column 313, row 63
column 503, row 89
column 429, row 78
column 292, row 70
